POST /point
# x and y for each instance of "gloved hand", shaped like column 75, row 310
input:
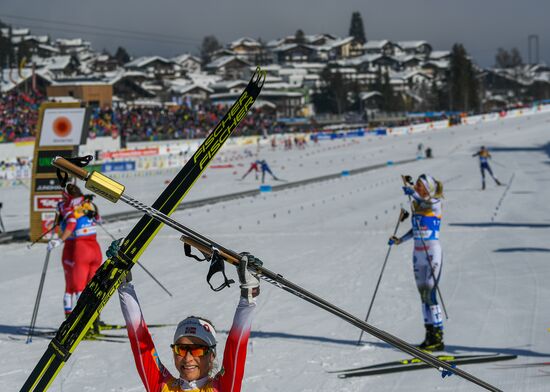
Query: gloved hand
column 250, row 284
column 114, row 248
column 54, row 244
column 408, row 190
column 112, row 252
column 394, row 241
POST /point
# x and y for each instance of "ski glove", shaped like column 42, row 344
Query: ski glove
column 112, row 252
column 250, row 284
column 408, row 191
column 394, row 240
column 52, row 244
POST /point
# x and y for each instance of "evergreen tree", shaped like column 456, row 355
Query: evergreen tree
column 515, row 58
column 209, row 45
column 122, row 57
column 299, row 37
column 463, row 82
column 508, row 59
column 332, row 97
column 356, row 29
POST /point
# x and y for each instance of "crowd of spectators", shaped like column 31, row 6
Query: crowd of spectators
column 172, row 122
column 18, row 115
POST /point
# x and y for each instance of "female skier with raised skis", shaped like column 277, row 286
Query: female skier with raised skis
column 426, row 197
column 194, row 343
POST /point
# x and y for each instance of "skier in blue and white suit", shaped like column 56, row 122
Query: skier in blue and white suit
column 426, row 198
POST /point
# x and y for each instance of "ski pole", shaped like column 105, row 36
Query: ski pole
column 138, row 263
column 114, row 191
column 403, row 214
column 42, row 236
column 1, row 222
column 407, row 181
column 38, row 296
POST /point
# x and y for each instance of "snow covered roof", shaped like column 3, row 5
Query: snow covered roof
column 245, row 41
column 54, row 63
column 439, row 54
column 182, row 58
column 80, row 81
column 7, row 84
column 355, row 61
column 411, row 44
column 49, row 48
column 15, row 32
column 184, row 89
column 74, row 42
column 369, row 94
column 376, row 44
column 224, row 60
column 143, row 61
column 203, row 78
column 441, row 64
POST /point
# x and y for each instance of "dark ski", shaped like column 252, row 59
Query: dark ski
column 416, row 364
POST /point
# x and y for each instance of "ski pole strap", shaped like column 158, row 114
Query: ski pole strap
column 217, row 265
column 187, row 250
column 63, row 177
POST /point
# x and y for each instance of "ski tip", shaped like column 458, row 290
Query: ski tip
column 259, row 77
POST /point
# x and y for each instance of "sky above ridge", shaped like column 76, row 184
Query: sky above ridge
column 171, row 27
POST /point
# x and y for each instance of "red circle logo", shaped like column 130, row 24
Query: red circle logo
column 62, row 126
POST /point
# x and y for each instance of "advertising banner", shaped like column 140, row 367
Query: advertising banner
column 64, row 127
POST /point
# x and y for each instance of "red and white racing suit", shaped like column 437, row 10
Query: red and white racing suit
column 156, row 378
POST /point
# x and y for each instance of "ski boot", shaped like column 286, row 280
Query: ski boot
column 433, row 340
column 498, row 182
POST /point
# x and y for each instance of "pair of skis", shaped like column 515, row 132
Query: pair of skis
column 406, row 365
column 108, row 278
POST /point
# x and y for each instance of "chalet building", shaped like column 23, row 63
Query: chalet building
column 92, row 91
column 382, row 47
column 104, row 63
column 229, row 67
column 246, row 48
column 154, row 67
column 416, row 48
column 59, row 66
column 188, row 63
column 295, row 53
column 73, row 46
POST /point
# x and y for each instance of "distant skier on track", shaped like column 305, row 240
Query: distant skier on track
column 253, row 168
column 81, row 255
column 427, row 256
column 484, row 156
column 266, row 169
column 194, row 343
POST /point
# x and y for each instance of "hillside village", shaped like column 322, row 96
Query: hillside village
column 308, row 75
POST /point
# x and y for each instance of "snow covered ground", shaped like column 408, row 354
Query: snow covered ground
column 330, row 237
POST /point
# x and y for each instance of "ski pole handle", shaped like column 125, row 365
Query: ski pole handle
column 95, row 181
column 207, row 250
column 70, row 168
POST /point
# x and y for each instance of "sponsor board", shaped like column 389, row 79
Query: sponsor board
column 63, row 127
column 47, row 185
column 141, row 152
column 118, row 166
column 44, row 160
column 46, row 202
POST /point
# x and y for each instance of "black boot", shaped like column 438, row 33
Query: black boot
column 433, row 340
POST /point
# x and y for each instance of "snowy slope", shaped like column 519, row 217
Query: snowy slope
column 331, row 238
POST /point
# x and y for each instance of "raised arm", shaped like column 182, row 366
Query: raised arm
column 151, row 371
column 234, row 355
